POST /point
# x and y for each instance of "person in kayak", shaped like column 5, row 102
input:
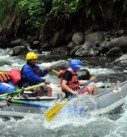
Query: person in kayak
column 32, row 74
column 70, row 83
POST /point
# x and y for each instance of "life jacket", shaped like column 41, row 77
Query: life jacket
column 15, row 75
column 4, row 77
column 73, row 84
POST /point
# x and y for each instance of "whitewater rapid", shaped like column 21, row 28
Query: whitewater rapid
column 62, row 126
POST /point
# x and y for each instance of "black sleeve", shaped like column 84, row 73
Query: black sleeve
column 67, row 76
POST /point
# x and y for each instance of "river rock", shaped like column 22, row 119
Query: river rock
column 78, row 38
column 96, row 36
column 116, row 51
column 18, row 50
column 120, row 42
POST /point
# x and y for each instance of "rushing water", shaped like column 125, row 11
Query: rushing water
column 68, row 126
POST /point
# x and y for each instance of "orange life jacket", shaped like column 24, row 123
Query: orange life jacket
column 15, row 75
column 4, row 77
column 73, row 84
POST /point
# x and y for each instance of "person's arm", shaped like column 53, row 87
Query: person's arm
column 44, row 72
column 65, row 87
column 82, row 82
column 31, row 76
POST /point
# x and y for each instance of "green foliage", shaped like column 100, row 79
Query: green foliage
column 34, row 11
column 6, row 9
column 67, row 5
column 61, row 11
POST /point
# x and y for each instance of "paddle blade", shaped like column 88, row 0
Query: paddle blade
column 51, row 113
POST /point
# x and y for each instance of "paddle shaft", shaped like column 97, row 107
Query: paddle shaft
column 28, row 103
column 55, row 71
column 25, row 102
column 21, row 90
column 80, row 89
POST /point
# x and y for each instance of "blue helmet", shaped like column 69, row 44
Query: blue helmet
column 75, row 64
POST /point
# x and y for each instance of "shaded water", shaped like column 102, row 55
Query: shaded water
column 65, row 125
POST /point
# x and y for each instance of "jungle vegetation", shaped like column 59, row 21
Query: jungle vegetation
column 33, row 15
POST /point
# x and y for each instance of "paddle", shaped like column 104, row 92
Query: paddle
column 51, row 113
column 56, row 72
column 21, row 90
column 2, row 72
column 25, row 102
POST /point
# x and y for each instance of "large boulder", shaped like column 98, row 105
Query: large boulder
column 88, row 49
column 95, row 37
column 60, row 51
column 93, row 28
column 116, row 51
column 58, row 38
column 120, row 42
column 78, row 38
column 18, row 50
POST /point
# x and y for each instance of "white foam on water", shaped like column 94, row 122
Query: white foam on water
column 65, row 116
column 93, row 125
column 100, row 71
column 120, row 127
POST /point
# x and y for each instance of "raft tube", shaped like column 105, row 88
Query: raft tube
column 7, row 87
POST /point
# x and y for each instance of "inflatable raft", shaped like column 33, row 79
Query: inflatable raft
column 107, row 100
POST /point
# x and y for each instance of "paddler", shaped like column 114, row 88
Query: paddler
column 32, row 74
column 70, row 83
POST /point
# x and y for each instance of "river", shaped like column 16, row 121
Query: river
column 89, row 126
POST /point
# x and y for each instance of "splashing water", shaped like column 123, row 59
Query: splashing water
column 64, row 124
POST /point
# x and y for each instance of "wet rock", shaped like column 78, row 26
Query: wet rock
column 121, row 61
column 58, row 38
column 19, row 41
column 116, row 51
column 68, row 37
column 35, row 44
column 18, row 50
column 85, row 53
column 88, row 49
column 88, row 45
column 96, row 36
column 71, row 45
column 60, row 51
column 78, row 38
column 60, row 65
column 120, row 42
column 93, row 29
column 72, row 52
